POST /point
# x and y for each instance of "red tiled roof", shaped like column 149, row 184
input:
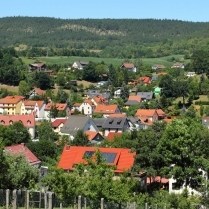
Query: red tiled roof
column 21, row 149
column 91, row 134
column 73, row 155
column 58, row 121
column 99, row 99
column 145, row 80
column 135, row 98
column 31, row 104
column 160, row 112
column 158, row 179
column 145, row 120
column 77, row 105
column 39, row 91
column 105, row 109
column 145, row 112
column 11, row 99
column 59, row 106
column 128, row 65
column 112, row 135
column 118, row 115
column 27, row 120
column 89, row 102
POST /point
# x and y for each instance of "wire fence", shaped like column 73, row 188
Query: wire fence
column 14, row 199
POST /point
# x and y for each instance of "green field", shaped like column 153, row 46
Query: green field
column 107, row 61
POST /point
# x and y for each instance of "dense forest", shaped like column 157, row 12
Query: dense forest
column 121, row 38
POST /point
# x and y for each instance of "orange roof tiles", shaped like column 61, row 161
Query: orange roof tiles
column 39, row 91
column 99, row 99
column 145, row 80
column 112, row 135
column 145, row 112
column 128, row 65
column 27, row 120
column 91, row 134
column 77, row 105
column 89, row 102
column 30, row 104
column 11, row 99
column 158, row 179
column 58, row 121
column 105, row 109
column 160, row 112
column 118, row 115
column 73, row 155
column 59, row 106
column 135, row 98
column 21, row 149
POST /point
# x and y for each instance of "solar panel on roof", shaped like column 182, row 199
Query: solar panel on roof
column 109, row 157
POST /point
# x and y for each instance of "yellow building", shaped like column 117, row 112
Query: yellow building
column 11, row 105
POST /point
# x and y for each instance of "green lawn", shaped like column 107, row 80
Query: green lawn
column 107, row 61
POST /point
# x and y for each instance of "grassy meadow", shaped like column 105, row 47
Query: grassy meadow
column 116, row 62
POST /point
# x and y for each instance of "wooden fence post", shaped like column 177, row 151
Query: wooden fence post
column 79, row 202
column 14, row 199
column 7, row 199
column 102, row 203
column 50, row 200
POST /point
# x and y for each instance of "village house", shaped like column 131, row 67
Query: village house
column 177, row 65
column 27, row 120
column 33, row 107
column 145, row 80
column 146, row 96
column 39, row 67
column 78, row 122
column 94, row 93
column 94, row 137
column 79, row 65
column 190, row 74
column 158, row 67
column 87, row 107
column 23, row 150
column 133, row 100
column 35, row 92
column 117, row 93
column 11, row 105
column 59, row 107
column 99, row 99
column 115, row 125
column 107, row 110
column 57, row 124
column 129, row 67
column 121, row 158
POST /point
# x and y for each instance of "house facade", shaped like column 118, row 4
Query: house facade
column 94, row 137
column 87, row 107
column 11, row 105
column 58, row 124
column 39, row 67
column 59, row 107
column 129, row 67
column 79, row 65
column 115, row 125
column 27, row 120
column 33, row 107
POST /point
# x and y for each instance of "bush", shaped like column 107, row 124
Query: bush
column 202, row 102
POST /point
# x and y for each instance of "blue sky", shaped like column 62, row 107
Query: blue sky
column 187, row 10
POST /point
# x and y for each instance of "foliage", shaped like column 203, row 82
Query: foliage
column 16, row 172
column 184, row 149
column 24, row 88
column 80, row 139
column 14, row 134
column 45, row 131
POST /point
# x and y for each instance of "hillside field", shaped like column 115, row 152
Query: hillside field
column 116, row 62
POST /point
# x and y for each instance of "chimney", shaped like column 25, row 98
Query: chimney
column 67, row 147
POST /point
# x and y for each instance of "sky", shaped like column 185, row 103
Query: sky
column 186, row 10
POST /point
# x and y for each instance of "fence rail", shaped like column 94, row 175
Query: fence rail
column 16, row 199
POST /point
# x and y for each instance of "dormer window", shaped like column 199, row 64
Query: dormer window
column 2, row 122
column 10, row 122
column 28, row 122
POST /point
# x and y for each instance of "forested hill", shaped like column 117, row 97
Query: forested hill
column 104, row 34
